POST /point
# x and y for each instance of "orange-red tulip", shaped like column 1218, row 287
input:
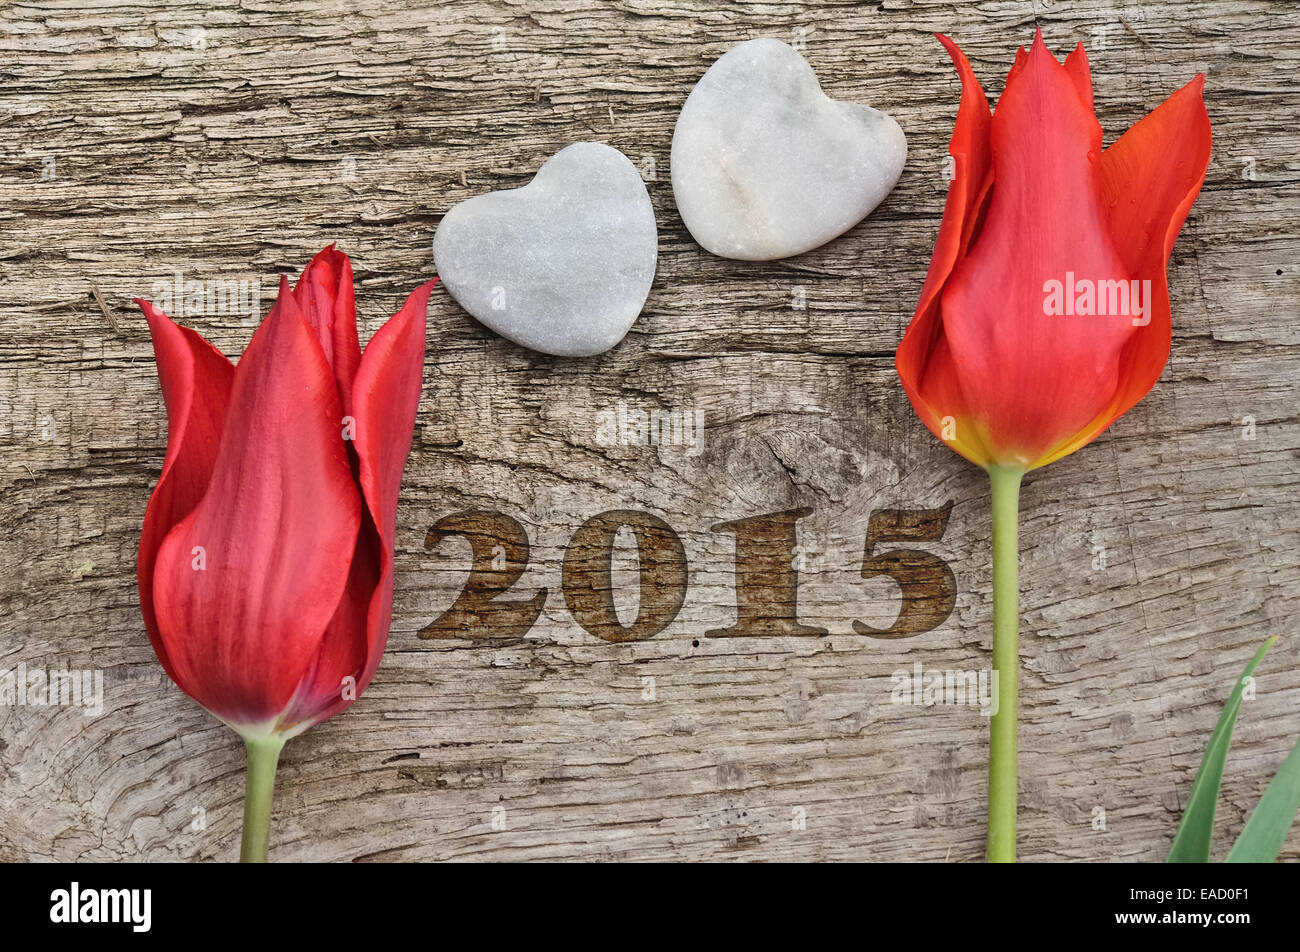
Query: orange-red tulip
column 1045, row 313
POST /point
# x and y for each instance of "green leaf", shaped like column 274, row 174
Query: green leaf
column 1192, row 842
column 1266, row 830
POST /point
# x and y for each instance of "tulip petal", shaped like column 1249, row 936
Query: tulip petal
column 324, row 294
column 1080, row 73
column 1149, row 179
column 343, row 653
column 972, row 167
column 247, row 582
column 196, row 379
column 1018, row 64
column 1152, row 174
column 967, row 193
column 386, row 398
column 1036, row 378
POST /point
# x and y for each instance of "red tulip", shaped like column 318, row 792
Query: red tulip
column 1045, row 313
column 1036, row 203
column 266, row 559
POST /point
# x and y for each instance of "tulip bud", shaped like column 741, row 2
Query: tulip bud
column 282, row 622
column 1045, row 313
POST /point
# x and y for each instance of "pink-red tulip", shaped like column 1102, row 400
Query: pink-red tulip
column 266, row 560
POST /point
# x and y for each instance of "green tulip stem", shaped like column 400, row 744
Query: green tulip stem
column 263, row 756
column 1006, row 663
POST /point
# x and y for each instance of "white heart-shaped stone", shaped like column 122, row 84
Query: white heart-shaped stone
column 562, row 265
column 765, row 165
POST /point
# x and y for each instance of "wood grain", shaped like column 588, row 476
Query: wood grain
column 232, row 140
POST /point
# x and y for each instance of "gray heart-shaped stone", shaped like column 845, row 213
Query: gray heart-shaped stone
column 562, row 265
column 765, row 165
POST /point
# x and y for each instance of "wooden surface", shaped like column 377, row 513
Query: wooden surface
column 232, row 140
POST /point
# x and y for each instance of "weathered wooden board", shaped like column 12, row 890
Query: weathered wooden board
column 232, row 140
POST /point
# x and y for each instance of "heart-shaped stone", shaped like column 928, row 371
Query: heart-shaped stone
column 562, row 265
column 765, row 165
